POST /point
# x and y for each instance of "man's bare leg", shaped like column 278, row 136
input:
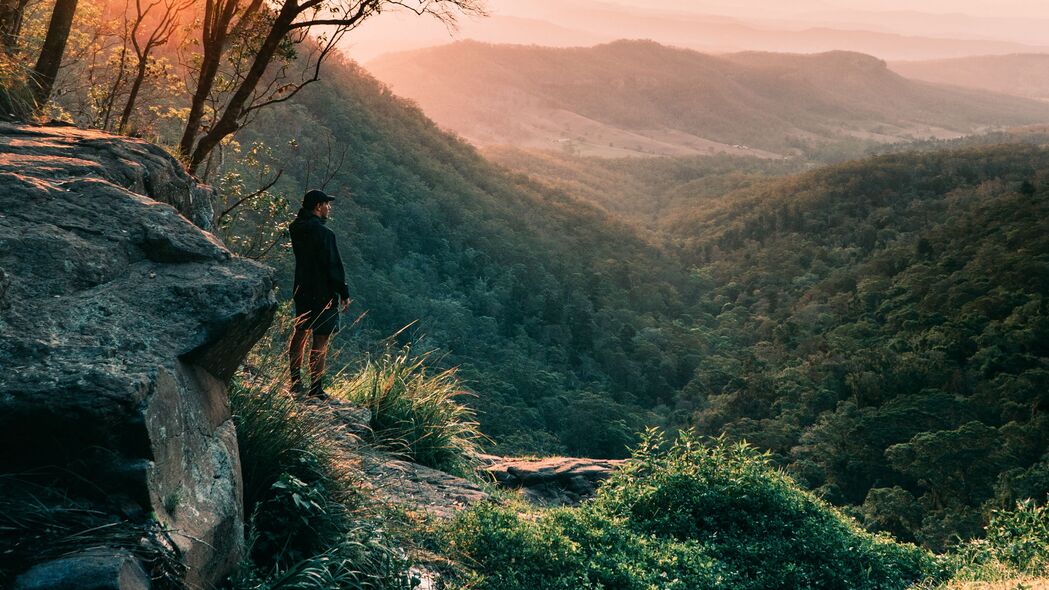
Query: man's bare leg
column 318, row 360
column 296, row 351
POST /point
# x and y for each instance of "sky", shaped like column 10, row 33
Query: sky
column 1002, row 26
column 1013, row 8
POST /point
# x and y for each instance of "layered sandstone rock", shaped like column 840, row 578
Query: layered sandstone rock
column 552, row 481
column 121, row 322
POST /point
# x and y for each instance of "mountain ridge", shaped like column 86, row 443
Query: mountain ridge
column 634, row 97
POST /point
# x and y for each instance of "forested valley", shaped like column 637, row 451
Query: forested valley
column 880, row 324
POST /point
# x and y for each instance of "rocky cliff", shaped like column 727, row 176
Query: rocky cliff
column 121, row 321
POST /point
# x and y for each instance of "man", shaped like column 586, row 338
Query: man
column 320, row 290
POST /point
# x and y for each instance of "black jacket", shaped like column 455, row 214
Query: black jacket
column 319, row 276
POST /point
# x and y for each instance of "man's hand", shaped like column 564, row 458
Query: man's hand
column 344, row 306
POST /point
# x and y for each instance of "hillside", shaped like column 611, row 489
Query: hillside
column 644, row 192
column 881, row 325
column 641, row 98
column 559, row 317
column 1024, row 75
column 808, row 314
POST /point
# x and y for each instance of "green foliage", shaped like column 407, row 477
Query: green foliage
column 1016, row 544
column 415, row 412
column 309, row 527
column 252, row 210
column 687, row 515
column 302, row 539
column 277, row 435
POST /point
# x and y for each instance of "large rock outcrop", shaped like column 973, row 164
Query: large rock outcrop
column 121, row 322
column 552, row 481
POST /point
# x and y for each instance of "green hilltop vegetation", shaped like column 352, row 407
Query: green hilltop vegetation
column 639, row 97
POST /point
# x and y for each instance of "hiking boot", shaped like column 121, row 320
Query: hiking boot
column 317, row 391
column 296, row 388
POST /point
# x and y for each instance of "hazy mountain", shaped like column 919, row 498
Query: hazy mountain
column 923, row 24
column 1019, row 74
column 718, row 27
column 639, row 97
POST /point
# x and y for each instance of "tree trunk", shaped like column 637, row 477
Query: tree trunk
column 140, row 75
column 208, row 70
column 229, row 121
column 11, row 13
column 43, row 75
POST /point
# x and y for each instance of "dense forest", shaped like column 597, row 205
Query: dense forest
column 879, row 324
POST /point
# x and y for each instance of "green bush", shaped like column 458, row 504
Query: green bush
column 414, row 412
column 686, row 515
column 1016, row 545
column 572, row 549
column 301, row 539
column 278, row 435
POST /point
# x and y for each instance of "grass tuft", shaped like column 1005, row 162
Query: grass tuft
column 416, row 412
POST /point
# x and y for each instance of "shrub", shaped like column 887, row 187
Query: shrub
column 686, row 516
column 572, row 549
column 414, row 412
column 278, row 435
column 1016, row 545
column 753, row 518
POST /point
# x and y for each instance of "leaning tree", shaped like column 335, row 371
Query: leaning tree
column 274, row 50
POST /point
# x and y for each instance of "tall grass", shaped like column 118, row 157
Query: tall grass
column 40, row 522
column 310, row 527
column 16, row 99
column 416, row 412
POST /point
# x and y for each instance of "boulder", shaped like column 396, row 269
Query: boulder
column 121, row 323
column 88, row 570
column 418, row 488
column 551, row 481
column 64, row 153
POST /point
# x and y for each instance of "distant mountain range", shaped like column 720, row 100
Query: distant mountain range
column 1024, row 74
column 641, row 98
column 718, row 27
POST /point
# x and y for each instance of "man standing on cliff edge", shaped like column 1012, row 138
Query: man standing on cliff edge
column 320, row 290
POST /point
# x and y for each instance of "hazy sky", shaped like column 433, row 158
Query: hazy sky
column 757, row 8
column 1024, row 23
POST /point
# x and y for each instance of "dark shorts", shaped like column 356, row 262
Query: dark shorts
column 320, row 319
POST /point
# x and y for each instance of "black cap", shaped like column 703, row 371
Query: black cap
column 315, row 197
